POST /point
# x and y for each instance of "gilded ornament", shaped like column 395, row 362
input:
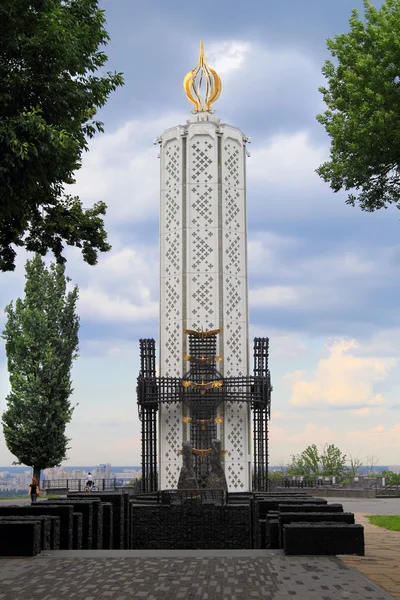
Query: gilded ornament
column 208, row 88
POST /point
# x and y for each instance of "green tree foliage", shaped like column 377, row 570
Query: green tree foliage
column 363, row 105
column 41, row 335
column 276, row 475
column 311, row 463
column 50, row 51
column 306, row 463
column 391, row 477
column 333, row 461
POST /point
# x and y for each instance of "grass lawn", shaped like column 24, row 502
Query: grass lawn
column 13, row 497
column 391, row 522
column 26, row 497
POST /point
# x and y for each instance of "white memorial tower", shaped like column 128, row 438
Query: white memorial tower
column 203, row 268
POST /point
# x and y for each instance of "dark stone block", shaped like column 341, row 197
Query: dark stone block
column 107, row 525
column 20, row 538
column 323, row 539
column 268, row 504
column 64, row 513
column 312, row 517
column 118, row 501
column 45, row 527
column 98, row 525
column 97, row 520
column 286, row 494
column 272, row 515
column 239, row 497
column 54, row 532
column 272, row 533
column 127, row 540
column 262, row 529
column 77, row 524
column 310, row 508
column 191, row 525
column 265, row 503
column 86, row 508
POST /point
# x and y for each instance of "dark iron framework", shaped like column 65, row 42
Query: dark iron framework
column 202, row 389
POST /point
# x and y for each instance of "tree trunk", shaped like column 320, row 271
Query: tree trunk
column 36, row 473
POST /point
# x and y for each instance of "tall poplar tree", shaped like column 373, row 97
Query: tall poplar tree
column 41, row 336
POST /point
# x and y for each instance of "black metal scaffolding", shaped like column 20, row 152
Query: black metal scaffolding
column 261, row 415
column 148, row 414
column 202, row 394
column 203, row 389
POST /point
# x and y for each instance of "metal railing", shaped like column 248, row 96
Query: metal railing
column 307, row 483
column 79, row 485
column 389, row 490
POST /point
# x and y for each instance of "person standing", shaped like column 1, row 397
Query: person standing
column 34, row 490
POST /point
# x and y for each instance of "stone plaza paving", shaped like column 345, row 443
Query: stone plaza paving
column 185, row 575
column 381, row 562
column 214, row 574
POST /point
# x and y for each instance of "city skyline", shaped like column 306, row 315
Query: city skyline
column 323, row 276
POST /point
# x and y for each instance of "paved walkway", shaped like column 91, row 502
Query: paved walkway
column 184, row 576
column 381, row 562
column 214, row 574
column 369, row 506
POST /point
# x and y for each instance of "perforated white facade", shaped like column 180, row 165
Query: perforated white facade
column 203, row 270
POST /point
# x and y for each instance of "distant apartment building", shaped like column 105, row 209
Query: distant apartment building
column 20, row 481
column 55, row 473
column 78, row 474
column 102, row 471
column 127, row 475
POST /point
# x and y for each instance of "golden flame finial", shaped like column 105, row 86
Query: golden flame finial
column 209, row 79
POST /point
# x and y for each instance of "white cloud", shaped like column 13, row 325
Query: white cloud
column 285, row 274
column 343, row 379
column 286, row 345
column 287, row 442
column 122, row 169
column 299, row 296
column 98, row 305
column 277, row 414
column 365, row 411
column 381, row 440
column 227, row 57
column 345, row 263
column 282, row 343
column 122, row 287
column 319, row 434
column 286, row 161
column 112, row 347
column 255, row 74
column 384, row 342
column 265, row 248
column 273, row 296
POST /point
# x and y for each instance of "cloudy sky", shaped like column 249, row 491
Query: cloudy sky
column 324, row 277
